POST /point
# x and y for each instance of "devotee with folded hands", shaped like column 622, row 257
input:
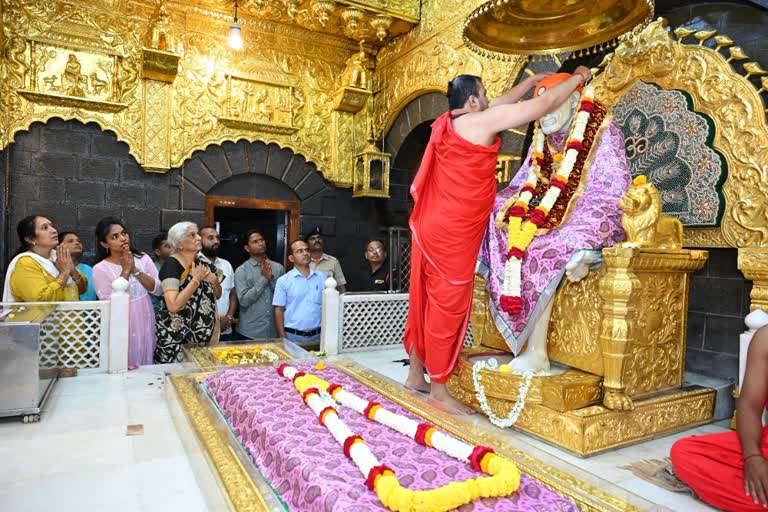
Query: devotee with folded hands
column 255, row 282
column 117, row 258
column 72, row 241
column 190, row 289
column 42, row 270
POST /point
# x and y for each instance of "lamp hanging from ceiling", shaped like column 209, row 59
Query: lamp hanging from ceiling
column 235, row 37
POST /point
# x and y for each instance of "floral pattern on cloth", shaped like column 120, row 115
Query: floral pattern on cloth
column 308, row 468
column 193, row 325
column 672, row 145
column 594, row 222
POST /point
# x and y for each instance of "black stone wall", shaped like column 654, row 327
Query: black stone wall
column 251, row 170
column 718, row 303
column 77, row 174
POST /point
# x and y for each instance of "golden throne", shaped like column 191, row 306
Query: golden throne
column 624, row 335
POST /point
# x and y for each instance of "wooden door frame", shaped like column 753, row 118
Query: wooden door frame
column 293, row 207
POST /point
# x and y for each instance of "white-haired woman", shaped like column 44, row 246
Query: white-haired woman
column 190, row 288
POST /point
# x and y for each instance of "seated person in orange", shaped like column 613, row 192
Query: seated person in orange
column 729, row 470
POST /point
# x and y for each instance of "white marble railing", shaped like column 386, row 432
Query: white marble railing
column 91, row 336
column 356, row 322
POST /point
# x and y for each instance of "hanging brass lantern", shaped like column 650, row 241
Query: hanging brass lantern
column 371, row 172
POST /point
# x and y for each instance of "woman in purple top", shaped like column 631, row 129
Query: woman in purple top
column 117, row 258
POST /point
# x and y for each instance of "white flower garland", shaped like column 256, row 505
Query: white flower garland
column 323, row 398
column 522, row 392
column 271, row 356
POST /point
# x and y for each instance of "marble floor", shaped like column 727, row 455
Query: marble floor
column 79, row 457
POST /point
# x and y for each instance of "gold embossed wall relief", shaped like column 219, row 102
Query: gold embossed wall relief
column 72, row 78
column 74, row 61
column 372, row 20
column 163, row 79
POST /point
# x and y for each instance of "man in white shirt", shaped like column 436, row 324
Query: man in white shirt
column 226, row 306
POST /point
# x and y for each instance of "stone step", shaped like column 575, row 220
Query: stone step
column 724, row 401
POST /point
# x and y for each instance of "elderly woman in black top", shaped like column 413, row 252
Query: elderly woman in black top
column 190, row 289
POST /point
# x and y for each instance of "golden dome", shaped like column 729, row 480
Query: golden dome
column 501, row 29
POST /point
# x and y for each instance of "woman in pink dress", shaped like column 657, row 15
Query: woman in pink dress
column 117, row 258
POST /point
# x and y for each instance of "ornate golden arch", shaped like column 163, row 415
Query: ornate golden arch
column 83, row 117
column 406, row 100
column 729, row 99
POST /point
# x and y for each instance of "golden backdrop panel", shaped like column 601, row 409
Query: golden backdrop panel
column 728, row 98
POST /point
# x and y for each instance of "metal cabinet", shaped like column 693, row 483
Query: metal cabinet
column 24, row 386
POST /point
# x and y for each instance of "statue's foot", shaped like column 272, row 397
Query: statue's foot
column 440, row 398
column 618, row 401
column 530, row 360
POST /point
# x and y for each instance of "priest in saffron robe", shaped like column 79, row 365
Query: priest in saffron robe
column 453, row 195
column 585, row 216
column 729, row 470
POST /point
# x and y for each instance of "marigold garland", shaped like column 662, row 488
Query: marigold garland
column 522, row 222
column 504, row 476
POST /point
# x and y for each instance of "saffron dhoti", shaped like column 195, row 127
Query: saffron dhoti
column 713, row 466
column 453, row 195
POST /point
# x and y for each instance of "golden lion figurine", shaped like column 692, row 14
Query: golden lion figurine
column 643, row 222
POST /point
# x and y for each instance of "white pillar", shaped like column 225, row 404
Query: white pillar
column 754, row 321
column 329, row 323
column 119, row 304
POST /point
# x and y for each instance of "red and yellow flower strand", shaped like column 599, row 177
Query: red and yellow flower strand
column 503, row 479
column 523, row 222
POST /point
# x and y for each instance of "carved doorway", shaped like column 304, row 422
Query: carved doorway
column 233, row 216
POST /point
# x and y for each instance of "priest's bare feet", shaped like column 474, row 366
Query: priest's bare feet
column 421, row 387
column 416, row 380
column 440, row 398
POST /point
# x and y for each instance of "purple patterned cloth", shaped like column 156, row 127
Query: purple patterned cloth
column 307, row 466
column 594, row 222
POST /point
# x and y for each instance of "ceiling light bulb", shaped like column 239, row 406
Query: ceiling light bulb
column 235, row 37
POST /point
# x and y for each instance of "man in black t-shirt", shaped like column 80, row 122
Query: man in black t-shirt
column 376, row 255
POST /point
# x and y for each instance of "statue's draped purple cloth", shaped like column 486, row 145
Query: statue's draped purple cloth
column 307, row 466
column 594, row 222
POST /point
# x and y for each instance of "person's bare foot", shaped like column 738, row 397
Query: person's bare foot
column 421, row 387
column 416, row 380
column 440, row 398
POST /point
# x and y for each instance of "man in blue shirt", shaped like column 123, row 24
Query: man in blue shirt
column 298, row 297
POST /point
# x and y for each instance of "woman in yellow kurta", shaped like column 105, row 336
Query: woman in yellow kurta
column 32, row 276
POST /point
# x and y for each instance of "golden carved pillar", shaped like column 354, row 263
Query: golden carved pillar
column 159, row 67
column 753, row 263
column 344, row 136
column 156, row 146
column 618, row 288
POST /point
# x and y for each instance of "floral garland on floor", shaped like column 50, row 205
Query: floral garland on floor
column 522, row 224
column 504, row 476
column 522, row 392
